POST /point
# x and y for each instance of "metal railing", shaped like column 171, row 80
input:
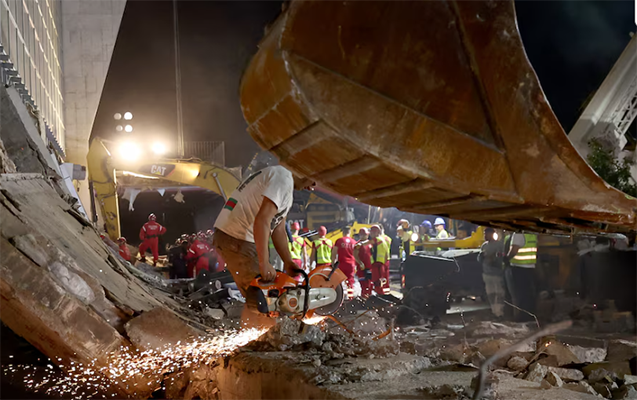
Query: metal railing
column 211, row 151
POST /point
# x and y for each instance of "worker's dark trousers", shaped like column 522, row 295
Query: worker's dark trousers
column 521, row 285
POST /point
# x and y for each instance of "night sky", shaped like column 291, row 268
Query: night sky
column 571, row 44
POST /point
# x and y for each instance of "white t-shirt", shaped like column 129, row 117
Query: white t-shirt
column 237, row 216
column 518, row 240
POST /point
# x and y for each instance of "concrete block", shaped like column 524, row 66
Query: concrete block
column 29, row 246
column 588, row 354
column 617, row 369
column 537, row 372
column 158, row 328
column 517, row 363
column 581, row 387
column 567, row 374
column 621, row 350
column 554, row 379
column 563, row 354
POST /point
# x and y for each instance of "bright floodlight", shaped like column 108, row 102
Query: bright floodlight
column 414, row 237
column 119, row 128
column 117, row 116
column 128, row 116
column 158, row 148
column 128, row 128
column 129, row 151
column 495, row 236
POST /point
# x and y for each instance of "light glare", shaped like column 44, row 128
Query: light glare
column 128, row 116
column 158, row 148
column 129, row 151
column 495, row 235
column 128, row 128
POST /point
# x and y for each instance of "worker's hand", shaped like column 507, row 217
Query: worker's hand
column 268, row 273
column 291, row 268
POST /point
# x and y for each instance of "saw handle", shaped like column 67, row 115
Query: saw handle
column 306, row 287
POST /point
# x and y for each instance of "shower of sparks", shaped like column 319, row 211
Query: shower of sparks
column 314, row 320
column 128, row 369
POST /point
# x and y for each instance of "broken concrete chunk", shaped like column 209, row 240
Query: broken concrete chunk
column 621, row 350
column 625, row 392
column 567, row 374
column 158, row 328
column 603, row 390
column 72, row 282
column 458, row 353
column 545, row 384
column 581, row 387
column 589, row 354
column 215, row 313
column 601, row 374
column 285, row 334
column 630, row 379
column 517, row 363
column 563, row 354
column 554, row 379
column 31, row 248
column 537, row 372
column 616, row 369
column 486, row 328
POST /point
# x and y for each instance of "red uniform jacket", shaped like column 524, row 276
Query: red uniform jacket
column 151, row 229
column 197, row 250
column 124, row 252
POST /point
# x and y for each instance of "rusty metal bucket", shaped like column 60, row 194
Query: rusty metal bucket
column 428, row 106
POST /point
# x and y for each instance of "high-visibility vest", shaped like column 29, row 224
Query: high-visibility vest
column 527, row 255
column 387, row 240
column 323, row 251
column 380, row 250
column 442, row 235
column 296, row 245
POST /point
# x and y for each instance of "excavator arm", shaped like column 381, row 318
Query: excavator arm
column 102, row 180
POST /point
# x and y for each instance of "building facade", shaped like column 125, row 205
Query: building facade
column 56, row 53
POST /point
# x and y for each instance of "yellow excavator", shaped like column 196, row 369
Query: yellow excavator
column 103, row 185
column 102, row 167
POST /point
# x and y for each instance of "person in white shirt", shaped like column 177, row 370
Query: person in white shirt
column 253, row 213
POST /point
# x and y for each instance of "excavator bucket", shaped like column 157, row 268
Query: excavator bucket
column 428, row 106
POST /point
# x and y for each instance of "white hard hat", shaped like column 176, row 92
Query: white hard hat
column 439, row 221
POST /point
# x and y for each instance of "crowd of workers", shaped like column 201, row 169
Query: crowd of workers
column 190, row 254
column 252, row 237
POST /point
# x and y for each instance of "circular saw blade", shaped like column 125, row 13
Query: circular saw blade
column 331, row 308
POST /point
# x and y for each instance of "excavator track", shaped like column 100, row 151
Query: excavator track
column 428, row 106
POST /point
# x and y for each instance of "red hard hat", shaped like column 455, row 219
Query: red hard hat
column 152, row 217
column 121, row 239
column 201, row 234
column 363, row 231
column 322, row 231
column 296, row 226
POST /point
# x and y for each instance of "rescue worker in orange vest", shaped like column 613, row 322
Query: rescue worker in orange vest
column 149, row 234
column 298, row 249
column 344, row 250
column 123, row 249
column 322, row 248
column 380, row 254
column 363, row 256
column 197, row 256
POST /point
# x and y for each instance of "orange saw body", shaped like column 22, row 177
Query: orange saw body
column 321, row 293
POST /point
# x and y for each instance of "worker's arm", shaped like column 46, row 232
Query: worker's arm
column 515, row 247
column 304, row 261
column 358, row 261
column 261, row 231
column 142, row 233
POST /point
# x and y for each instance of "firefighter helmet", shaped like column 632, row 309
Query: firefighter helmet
column 121, row 239
column 152, row 217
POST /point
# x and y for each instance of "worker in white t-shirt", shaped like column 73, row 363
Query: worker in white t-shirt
column 253, row 213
